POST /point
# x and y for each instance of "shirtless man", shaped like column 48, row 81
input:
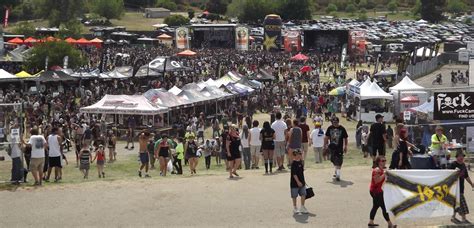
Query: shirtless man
column 143, row 152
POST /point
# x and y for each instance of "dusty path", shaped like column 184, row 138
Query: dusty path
column 254, row 200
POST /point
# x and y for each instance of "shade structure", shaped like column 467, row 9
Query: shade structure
column 385, row 73
column 51, row 39
column 97, row 42
column 299, row 57
column 83, row 41
column 124, row 104
column 186, row 53
column 427, row 107
column 16, row 40
column 339, row 91
column 373, row 91
column 30, row 40
column 406, row 84
column 23, row 74
column 160, row 25
column 164, row 37
column 305, row 69
column 5, row 76
column 70, row 40
column 410, row 99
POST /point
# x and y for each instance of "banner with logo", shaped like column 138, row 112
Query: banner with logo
column 453, row 106
column 182, row 41
column 242, row 38
column 292, row 41
column 272, row 32
column 421, row 193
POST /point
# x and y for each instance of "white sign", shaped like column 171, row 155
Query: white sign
column 421, row 193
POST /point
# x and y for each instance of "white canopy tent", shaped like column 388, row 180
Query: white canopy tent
column 374, row 92
column 406, row 87
column 371, row 101
column 427, row 107
column 406, row 84
column 4, row 75
column 124, row 104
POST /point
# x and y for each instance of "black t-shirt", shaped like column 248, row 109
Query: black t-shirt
column 224, row 141
column 377, row 130
column 267, row 139
column 336, row 137
column 297, row 169
column 462, row 174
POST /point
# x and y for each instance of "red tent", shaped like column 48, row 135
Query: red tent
column 83, row 41
column 50, row 39
column 410, row 99
column 97, row 42
column 70, row 40
column 30, row 40
column 205, row 12
column 305, row 69
column 299, row 57
column 186, row 53
column 16, row 40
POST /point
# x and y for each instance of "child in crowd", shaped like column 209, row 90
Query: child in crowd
column 297, row 182
column 85, row 158
column 100, row 157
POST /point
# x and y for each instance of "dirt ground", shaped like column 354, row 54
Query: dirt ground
column 254, row 200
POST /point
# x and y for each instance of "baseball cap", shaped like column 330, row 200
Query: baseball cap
column 378, row 116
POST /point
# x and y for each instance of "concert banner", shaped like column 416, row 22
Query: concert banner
column 242, row 38
column 292, row 41
column 272, row 32
column 453, row 106
column 421, row 193
column 182, row 34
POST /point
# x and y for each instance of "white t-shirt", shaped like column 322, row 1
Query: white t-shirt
column 54, row 148
column 317, row 137
column 37, row 143
column 279, row 127
column 255, row 137
column 244, row 141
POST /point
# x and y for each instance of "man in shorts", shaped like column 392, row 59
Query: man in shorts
column 279, row 126
column 336, row 142
column 305, row 139
column 55, row 154
column 143, row 152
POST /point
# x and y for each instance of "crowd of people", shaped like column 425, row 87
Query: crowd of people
column 53, row 123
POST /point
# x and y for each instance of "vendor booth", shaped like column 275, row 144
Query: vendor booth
column 371, row 100
column 117, row 108
column 408, row 93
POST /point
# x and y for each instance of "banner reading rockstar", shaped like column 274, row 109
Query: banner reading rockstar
column 242, row 38
column 421, row 193
column 182, row 35
column 453, row 105
column 272, row 32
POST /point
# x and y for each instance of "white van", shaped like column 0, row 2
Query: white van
column 395, row 47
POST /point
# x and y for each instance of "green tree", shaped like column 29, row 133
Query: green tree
column 392, row 6
column 331, row 8
column 256, row 10
column 234, row 9
column 24, row 28
column 416, row 10
column 362, row 14
column 362, row 4
column 432, row 10
column 217, row 6
column 55, row 51
column 23, row 11
column 176, row 20
column 295, row 10
column 351, row 8
column 168, row 4
column 109, row 9
column 456, row 6
column 59, row 11
column 140, row 3
column 70, row 29
column 191, row 13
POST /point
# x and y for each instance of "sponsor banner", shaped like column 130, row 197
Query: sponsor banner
column 421, row 193
column 453, row 106
column 182, row 41
column 242, row 38
column 272, row 32
column 292, row 41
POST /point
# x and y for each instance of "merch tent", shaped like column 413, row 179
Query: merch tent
column 407, row 88
column 5, row 76
column 262, row 76
column 373, row 100
column 161, row 97
column 124, row 104
column 118, row 73
column 159, row 66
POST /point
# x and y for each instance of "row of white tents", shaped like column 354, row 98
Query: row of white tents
column 158, row 101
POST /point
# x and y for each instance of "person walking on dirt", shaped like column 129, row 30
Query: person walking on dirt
column 378, row 178
column 336, row 142
column 143, row 153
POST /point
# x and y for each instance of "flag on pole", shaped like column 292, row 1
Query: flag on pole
column 421, row 193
